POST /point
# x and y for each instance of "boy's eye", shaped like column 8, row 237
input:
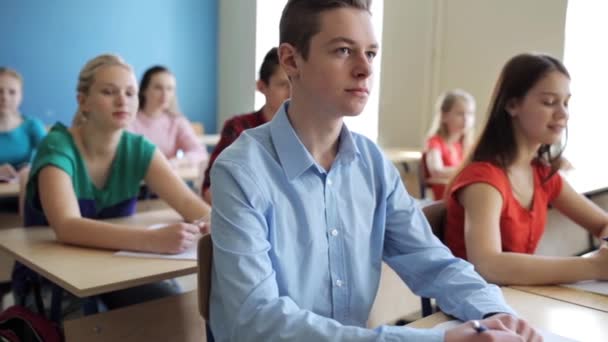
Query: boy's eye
column 343, row 51
column 371, row 55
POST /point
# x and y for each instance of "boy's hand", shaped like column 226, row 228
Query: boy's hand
column 500, row 328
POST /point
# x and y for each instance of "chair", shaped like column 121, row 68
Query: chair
column 435, row 213
column 198, row 128
column 423, row 174
column 205, row 260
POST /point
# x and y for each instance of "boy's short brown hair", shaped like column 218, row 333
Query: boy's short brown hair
column 300, row 19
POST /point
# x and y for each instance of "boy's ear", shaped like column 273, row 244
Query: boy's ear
column 288, row 58
column 260, row 86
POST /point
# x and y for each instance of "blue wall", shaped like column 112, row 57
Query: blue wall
column 48, row 42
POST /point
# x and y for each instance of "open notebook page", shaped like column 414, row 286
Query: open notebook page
column 547, row 336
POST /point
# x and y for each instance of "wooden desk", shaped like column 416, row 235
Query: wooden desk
column 174, row 318
column 565, row 319
column 9, row 189
column 569, row 295
column 88, row 271
column 189, row 173
column 403, row 155
column 209, row 139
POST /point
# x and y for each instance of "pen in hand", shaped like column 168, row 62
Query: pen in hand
column 202, row 222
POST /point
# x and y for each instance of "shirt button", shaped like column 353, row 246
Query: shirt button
column 329, row 182
column 339, row 283
column 334, row 232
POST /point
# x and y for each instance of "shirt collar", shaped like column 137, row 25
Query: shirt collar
column 293, row 155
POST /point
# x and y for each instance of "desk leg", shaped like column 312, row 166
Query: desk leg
column 90, row 305
column 37, row 296
column 56, row 298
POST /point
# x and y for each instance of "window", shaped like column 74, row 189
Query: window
column 267, row 35
column 586, row 58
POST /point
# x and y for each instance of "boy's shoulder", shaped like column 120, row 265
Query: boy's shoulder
column 250, row 145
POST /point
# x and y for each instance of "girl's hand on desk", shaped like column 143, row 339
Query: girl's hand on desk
column 599, row 260
column 204, row 228
column 7, row 171
column 603, row 236
column 174, row 238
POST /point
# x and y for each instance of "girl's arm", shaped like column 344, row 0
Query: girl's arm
column 482, row 208
column 434, row 164
column 166, row 183
column 61, row 208
column 582, row 211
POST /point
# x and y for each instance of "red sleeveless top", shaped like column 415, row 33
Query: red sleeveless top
column 520, row 228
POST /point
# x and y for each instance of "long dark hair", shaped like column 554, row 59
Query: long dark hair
column 145, row 82
column 496, row 143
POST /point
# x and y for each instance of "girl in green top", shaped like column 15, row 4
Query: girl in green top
column 93, row 171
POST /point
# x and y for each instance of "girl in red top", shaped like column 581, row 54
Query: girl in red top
column 497, row 205
column 449, row 137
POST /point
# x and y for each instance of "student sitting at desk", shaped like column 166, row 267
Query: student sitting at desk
column 274, row 84
column 93, row 171
column 497, row 205
column 305, row 211
column 19, row 135
column 449, row 138
column 160, row 120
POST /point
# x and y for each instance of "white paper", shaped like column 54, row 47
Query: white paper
column 189, row 254
column 594, row 286
column 547, row 336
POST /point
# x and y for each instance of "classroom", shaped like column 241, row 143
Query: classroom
column 330, row 217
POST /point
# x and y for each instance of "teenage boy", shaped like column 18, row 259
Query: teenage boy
column 306, row 211
column 274, row 84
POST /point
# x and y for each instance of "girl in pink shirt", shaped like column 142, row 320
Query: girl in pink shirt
column 160, row 121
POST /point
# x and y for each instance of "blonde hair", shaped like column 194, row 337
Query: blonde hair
column 444, row 104
column 11, row 72
column 86, row 78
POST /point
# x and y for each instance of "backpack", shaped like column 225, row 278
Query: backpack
column 18, row 324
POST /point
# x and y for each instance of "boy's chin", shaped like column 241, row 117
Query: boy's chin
column 353, row 110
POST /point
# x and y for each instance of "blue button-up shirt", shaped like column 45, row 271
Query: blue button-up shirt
column 297, row 250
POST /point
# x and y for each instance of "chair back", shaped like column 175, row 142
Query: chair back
column 198, row 128
column 205, row 259
column 435, row 212
column 423, row 175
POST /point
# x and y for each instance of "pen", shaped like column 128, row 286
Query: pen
column 605, row 238
column 479, row 328
column 201, row 220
